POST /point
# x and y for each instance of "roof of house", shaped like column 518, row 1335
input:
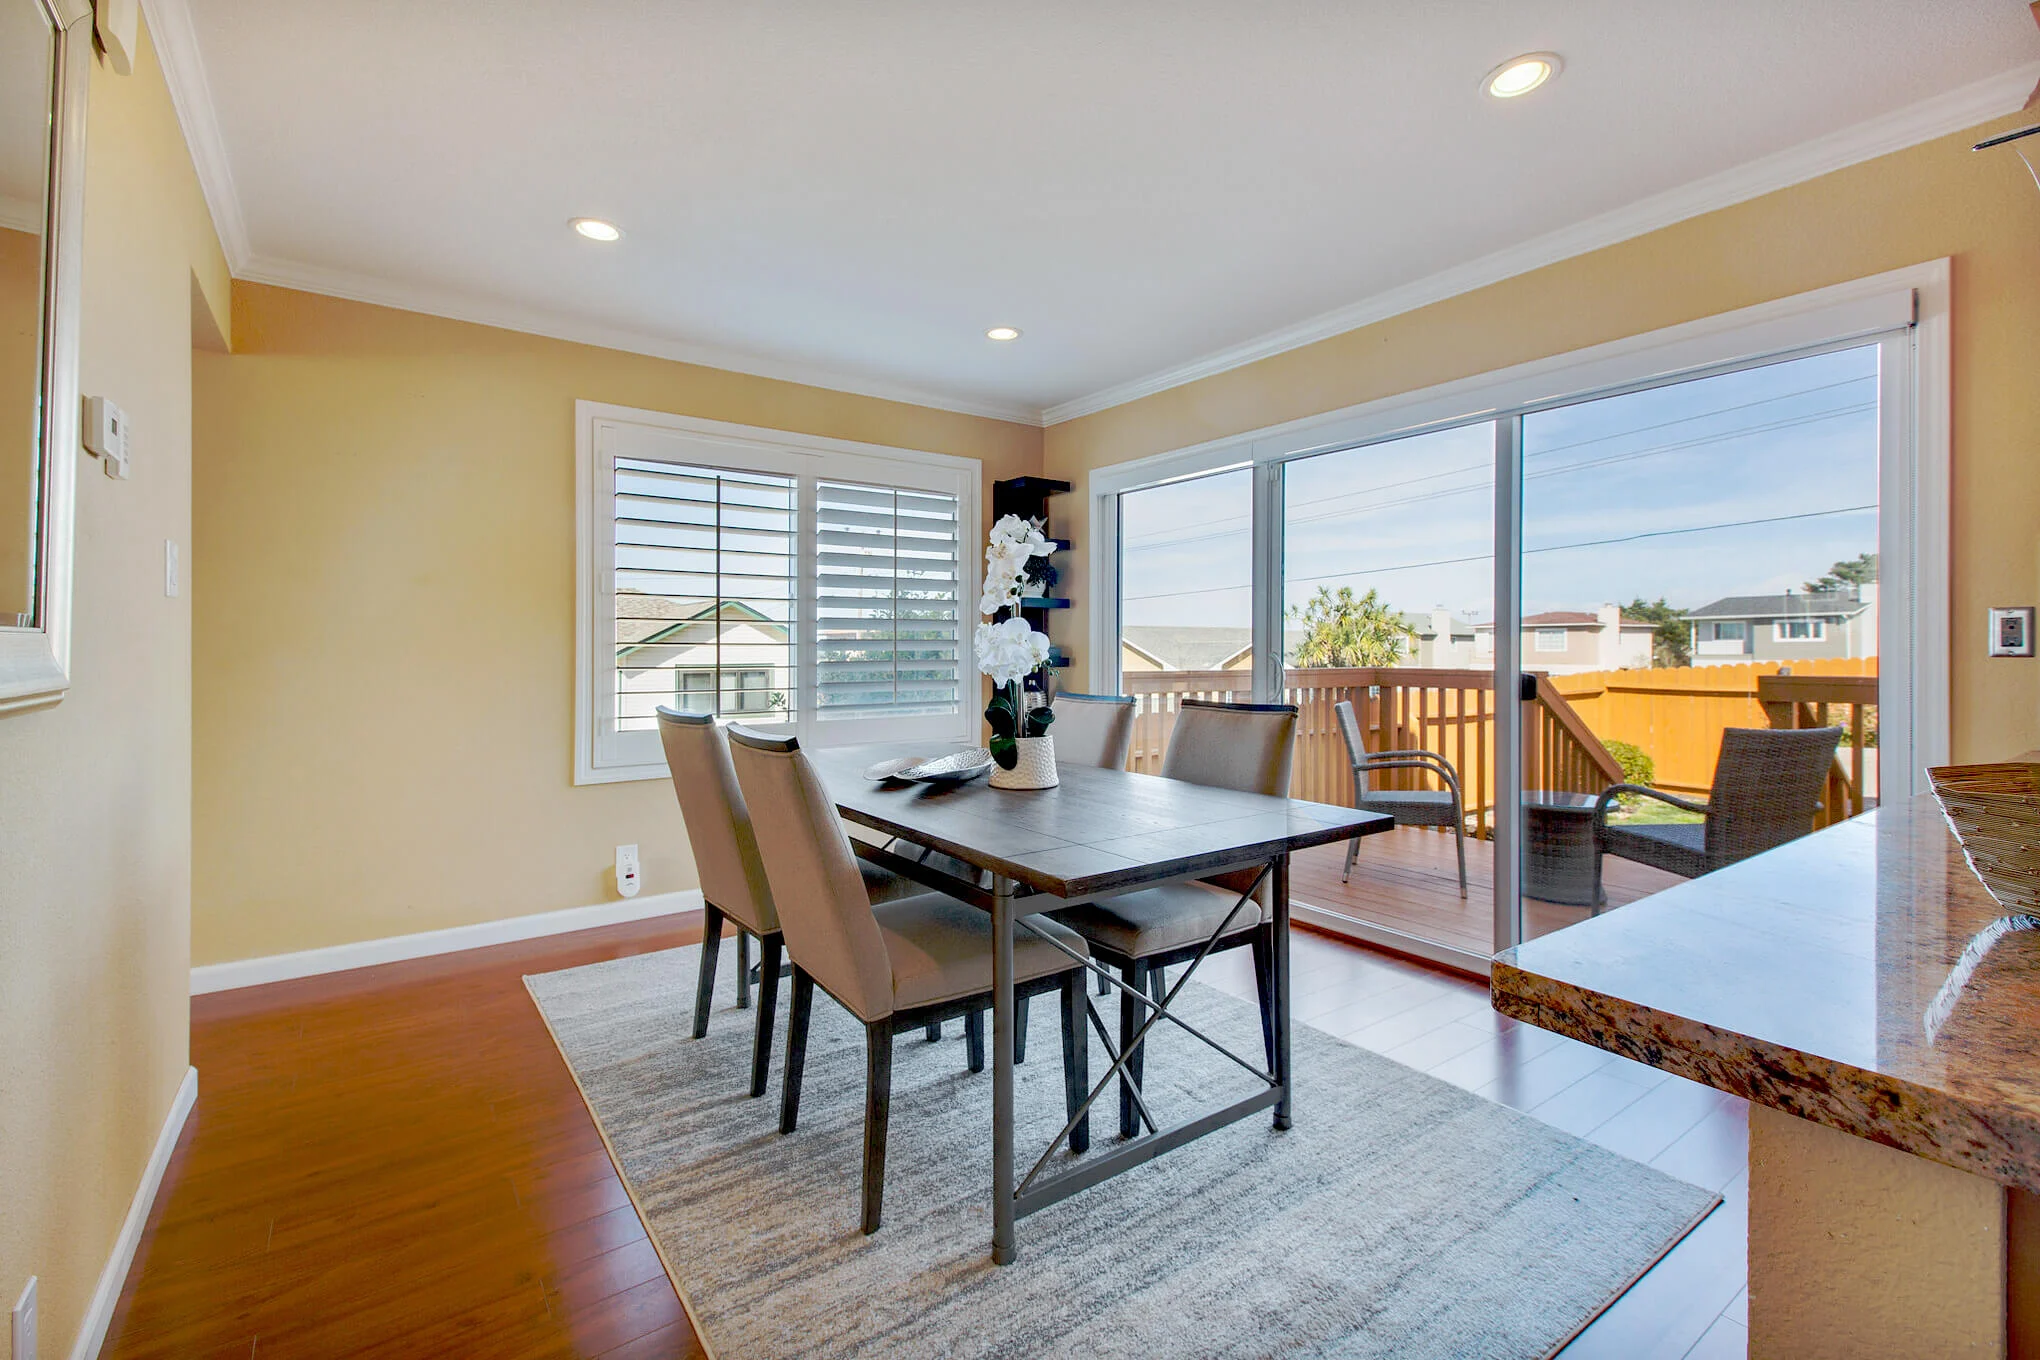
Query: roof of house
column 644, row 620
column 1420, row 624
column 1781, row 606
column 1189, row 648
column 1568, row 618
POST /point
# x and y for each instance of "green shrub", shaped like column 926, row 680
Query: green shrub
column 1637, row 766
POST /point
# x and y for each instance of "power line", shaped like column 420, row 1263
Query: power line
column 1527, row 552
column 1582, row 443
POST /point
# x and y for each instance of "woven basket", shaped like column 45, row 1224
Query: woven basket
column 1995, row 810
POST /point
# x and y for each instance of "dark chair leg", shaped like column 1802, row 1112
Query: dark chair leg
column 1264, row 987
column 798, row 1008
column 1076, row 1057
column 743, row 969
column 1459, row 832
column 1158, row 982
column 1103, row 985
column 768, row 996
column 1019, row 1029
column 1131, row 1013
column 877, row 1113
column 934, row 1031
column 704, row 986
column 974, row 1039
column 1352, row 850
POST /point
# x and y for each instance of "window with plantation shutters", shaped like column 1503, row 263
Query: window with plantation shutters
column 706, row 570
column 888, row 610
column 803, row 585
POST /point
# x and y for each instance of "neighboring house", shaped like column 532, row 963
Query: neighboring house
column 1567, row 641
column 668, row 651
column 1442, row 641
column 1794, row 626
column 1151, row 648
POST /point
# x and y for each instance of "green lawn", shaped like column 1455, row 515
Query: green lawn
column 1650, row 812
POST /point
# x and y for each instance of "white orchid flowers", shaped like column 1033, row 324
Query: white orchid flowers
column 1008, row 652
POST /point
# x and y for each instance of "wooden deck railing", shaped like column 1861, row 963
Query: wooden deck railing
column 1399, row 708
column 1813, row 701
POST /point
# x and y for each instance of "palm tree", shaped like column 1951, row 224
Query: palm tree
column 1343, row 629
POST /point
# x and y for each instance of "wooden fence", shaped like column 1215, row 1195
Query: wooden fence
column 1398, row 708
column 1676, row 715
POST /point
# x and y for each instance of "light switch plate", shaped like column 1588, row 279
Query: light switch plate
column 2011, row 631
column 173, row 579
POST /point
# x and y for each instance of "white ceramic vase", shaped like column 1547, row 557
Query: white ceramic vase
column 1034, row 769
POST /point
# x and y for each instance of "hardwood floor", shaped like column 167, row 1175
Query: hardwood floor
column 394, row 1162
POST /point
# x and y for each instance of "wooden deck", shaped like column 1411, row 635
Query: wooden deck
column 1408, row 880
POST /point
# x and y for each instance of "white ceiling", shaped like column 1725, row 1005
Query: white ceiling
column 854, row 192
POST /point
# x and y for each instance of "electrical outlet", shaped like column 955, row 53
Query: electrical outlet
column 627, row 870
column 172, row 583
column 23, row 1319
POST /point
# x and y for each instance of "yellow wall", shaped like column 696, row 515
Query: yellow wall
column 383, row 581
column 95, row 812
column 1923, row 203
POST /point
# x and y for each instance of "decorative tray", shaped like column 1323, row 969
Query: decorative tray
column 1995, row 811
column 954, row 768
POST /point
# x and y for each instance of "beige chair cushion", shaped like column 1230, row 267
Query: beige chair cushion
column 941, row 949
column 1091, row 730
column 1157, row 920
column 718, row 821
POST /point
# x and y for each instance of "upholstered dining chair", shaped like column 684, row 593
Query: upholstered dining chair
column 1229, row 746
column 733, row 882
column 1409, row 807
column 894, row 966
column 1767, row 790
column 1093, row 729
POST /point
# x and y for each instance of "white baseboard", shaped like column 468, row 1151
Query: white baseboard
column 99, row 1313
column 220, row 977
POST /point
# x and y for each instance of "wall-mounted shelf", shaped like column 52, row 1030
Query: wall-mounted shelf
column 1028, row 498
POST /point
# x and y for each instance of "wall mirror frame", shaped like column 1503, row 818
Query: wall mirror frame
column 35, row 654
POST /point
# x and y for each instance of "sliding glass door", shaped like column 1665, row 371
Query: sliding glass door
column 1388, row 621
column 1502, row 599
column 1697, row 557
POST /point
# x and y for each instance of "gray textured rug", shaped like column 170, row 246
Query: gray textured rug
column 1401, row 1216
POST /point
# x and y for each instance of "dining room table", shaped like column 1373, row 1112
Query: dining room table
column 1096, row 834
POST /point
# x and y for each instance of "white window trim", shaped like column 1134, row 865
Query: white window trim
column 809, row 457
column 1544, row 634
column 1817, row 633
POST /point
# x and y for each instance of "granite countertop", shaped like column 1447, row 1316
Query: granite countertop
column 1852, row 978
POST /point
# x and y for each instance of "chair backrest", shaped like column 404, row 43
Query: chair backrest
column 1093, row 729
column 718, row 821
column 1767, row 788
column 1233, row 746
column 1356, row 750
column 823, row 908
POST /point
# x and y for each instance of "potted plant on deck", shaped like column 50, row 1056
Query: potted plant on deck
column 1009, row 650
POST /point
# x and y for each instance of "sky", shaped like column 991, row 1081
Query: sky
column 1746, row 483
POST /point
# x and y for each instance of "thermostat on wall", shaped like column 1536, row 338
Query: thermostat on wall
column 2011, row 632
column 106, row 434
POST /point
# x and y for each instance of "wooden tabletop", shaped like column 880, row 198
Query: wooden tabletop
column 1101, row 831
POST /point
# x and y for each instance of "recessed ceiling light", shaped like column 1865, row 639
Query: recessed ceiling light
column 1003, row 333
column 595, row 229
column 1520, row 75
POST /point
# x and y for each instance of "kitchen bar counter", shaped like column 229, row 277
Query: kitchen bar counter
column 1858, row 980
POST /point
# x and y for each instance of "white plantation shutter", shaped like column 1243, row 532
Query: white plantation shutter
column 888, row 602
column 818, row 586
column 706, row 597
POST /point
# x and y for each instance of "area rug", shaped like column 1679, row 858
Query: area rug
column 1400, row 1217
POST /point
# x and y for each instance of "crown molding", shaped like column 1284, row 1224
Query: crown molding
column 1930, row 118
column 455, row 306
column 191, row 95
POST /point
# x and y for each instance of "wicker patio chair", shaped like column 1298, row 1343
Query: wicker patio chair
column 1409, row 807
column 1767, row 791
